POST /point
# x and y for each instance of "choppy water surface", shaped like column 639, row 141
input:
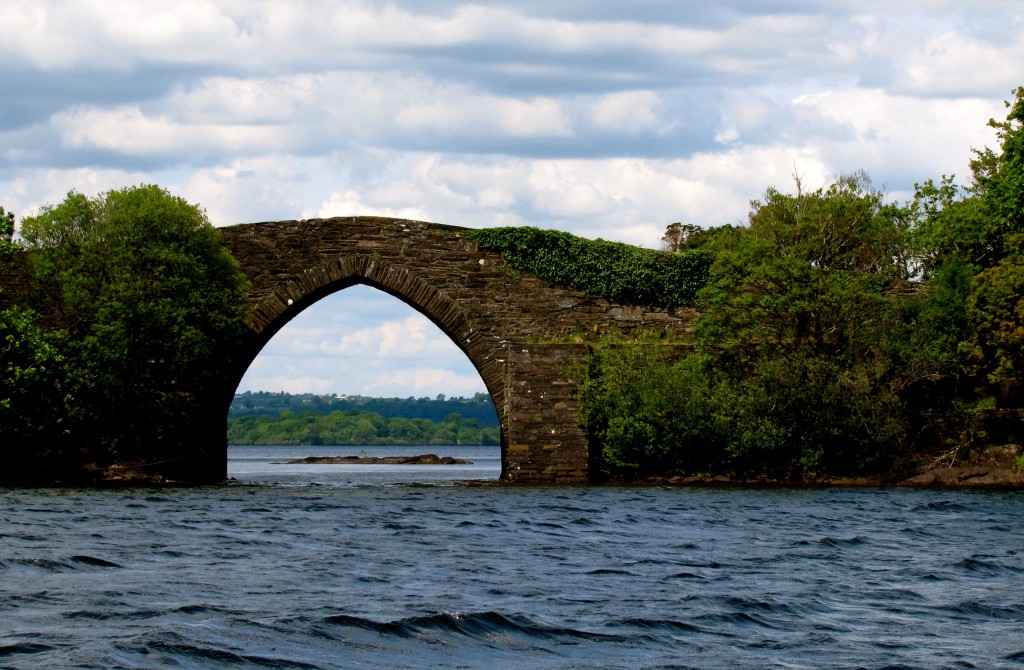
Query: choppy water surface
column 286, row 569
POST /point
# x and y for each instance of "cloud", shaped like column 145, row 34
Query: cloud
column 957, row 65
column 629, row 111
column 25, row 193
column 900, row 139
column 606, row 119
column 101, row 34
column 486, row 115
column 621, row 199
column 363, row 342
column 425, row 382
column 126, row 130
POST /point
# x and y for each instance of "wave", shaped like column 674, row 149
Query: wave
column 72, row 563
column 687, row 575
column 973, row 608
column 738, row 618
column 942, row 506
column 480, row 625
column 19, row 648
column 661, row 625
column 209, row 655
column 132, row 615
column 985, row 566
column 750, row 604
column 842, row 541
column 94, row 562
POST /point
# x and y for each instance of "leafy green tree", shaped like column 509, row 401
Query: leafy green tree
column 927, row 339
column 649, row 407
column 815, row 353
column 999, row 177
column 7, row 245
column 809, row 274
column 151, row 302
column 684, row 237
column 799, row 311
column 948, row 225
column 997, row 304
column 33, row 408
column 997, row 310
column 355, row 428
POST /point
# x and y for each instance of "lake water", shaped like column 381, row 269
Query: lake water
column 303, row 566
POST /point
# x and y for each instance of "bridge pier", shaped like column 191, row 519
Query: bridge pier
column 545, row 440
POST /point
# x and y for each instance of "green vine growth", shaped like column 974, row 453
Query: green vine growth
column 616, row 271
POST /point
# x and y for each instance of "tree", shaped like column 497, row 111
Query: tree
column 32, row 404
column 808, row 274
column 33, row 410
column 151, row 303
column 999, row 176
column 649, row 408
column 997, row 304
column 797, row 316
column 997, row 310
column 681, row 237
column 947, row 224
column 7, row 245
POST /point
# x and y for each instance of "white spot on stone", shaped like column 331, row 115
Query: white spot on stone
column 290, row 301
column 483, row 262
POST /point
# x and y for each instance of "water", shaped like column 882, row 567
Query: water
column 268, row 465
column 363, row 569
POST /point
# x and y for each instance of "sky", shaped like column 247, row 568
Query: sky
column 603, row 118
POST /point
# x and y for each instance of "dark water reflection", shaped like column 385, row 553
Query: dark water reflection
column 380, row 572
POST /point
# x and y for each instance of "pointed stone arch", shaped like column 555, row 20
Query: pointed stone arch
column 288, row 300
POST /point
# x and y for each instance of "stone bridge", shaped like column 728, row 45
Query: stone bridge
column 521, row 333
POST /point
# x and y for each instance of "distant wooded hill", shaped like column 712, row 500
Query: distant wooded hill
column 479, row 407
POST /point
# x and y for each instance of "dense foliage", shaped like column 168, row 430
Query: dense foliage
column 7, row 245
column 816, row 355
column 32, row 410
column 616, row 271
column 141, row 291
column 479, row 407
column 351, row 428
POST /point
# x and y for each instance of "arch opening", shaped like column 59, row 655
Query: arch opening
column 337, row 350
